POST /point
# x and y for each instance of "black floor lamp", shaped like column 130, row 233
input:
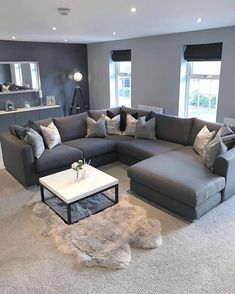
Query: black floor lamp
column 78, row 98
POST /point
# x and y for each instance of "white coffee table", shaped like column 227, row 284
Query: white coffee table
column 64, row 186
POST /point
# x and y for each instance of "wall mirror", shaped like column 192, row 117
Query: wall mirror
column 18, row 77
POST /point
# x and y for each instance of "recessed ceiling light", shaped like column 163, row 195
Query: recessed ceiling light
column 66, row 41
column 114, row 33
column 199, row 19
column 133, row 9
column 54, row 28
column 13, row 37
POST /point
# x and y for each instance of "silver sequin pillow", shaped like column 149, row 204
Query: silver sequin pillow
column 202, row 140
column 51, row 135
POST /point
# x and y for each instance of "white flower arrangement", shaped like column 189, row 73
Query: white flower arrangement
column 77, row 165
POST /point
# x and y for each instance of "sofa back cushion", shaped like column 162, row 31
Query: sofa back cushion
column 96, row 114
column 35, row 125
column 72, row 127
column 172, row 128
column 136, row 110
column 198, row 124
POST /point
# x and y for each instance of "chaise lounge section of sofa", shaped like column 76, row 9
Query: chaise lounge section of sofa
column 165, row 171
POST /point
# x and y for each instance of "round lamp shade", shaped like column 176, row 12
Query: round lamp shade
column 77, row 76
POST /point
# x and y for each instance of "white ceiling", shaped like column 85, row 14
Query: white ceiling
column 95, row 20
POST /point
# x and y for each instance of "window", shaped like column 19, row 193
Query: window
column 120, row 78
column 202, row 88
column 123, row 83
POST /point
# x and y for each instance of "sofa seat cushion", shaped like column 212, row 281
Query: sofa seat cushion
column 145, row 148
column 57, row 157
column 179, row 174
column 118, row 138
column 92, row 147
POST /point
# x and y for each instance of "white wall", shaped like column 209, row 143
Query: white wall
column 156, row 63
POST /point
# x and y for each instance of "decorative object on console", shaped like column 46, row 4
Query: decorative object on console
column 202, row 140
column 50, row 100
column 5, row 88
column 96, row 129
column 9, row 105
column 40, row 97
column 77, row 91
column 51, row 135
column 26, row 104
column 145, row 130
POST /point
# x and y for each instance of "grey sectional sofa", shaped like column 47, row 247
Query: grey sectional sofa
column 165, row 171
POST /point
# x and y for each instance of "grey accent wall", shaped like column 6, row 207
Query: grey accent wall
column 56, row 63
column 156, row 63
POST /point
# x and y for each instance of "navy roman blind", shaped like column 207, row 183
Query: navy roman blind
column 203, row 52
column 121, row 55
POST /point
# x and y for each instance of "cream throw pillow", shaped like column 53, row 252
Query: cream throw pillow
column 131, row 124
column 51, row 135
column 113, row 125
column 202, row 140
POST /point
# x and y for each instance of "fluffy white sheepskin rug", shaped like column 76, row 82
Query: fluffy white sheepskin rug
column 103, row 239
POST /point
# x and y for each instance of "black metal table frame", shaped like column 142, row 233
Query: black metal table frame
column 68, row 205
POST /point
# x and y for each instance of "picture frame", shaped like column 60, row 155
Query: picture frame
column 50, row 100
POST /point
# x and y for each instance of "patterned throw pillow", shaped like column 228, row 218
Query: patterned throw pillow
column 35, row 140
column 215, row 148
column 131, row 124
column 202, row 140
column 113, row 125
column 145, row 130
column 51, row 135
column 96, row 129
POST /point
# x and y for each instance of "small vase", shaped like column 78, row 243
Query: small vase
column 77, row 176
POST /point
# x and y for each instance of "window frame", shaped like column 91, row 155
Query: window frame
column 123, row 75
column 189, row 76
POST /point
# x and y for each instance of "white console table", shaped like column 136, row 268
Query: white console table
column 22, row 115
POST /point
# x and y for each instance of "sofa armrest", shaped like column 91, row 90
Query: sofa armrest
column 18, row 159
column 225, row 166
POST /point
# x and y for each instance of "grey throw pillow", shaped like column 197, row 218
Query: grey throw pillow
column 145, row 130
column 202, row 140
column 18, row 131
column 113, row 125
column 35, row 140
column 227, row 136
column 215, row 148
column 96, row 129
column 51, row 135
column 224, row 131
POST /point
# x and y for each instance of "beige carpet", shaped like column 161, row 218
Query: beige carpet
column 194, row 258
